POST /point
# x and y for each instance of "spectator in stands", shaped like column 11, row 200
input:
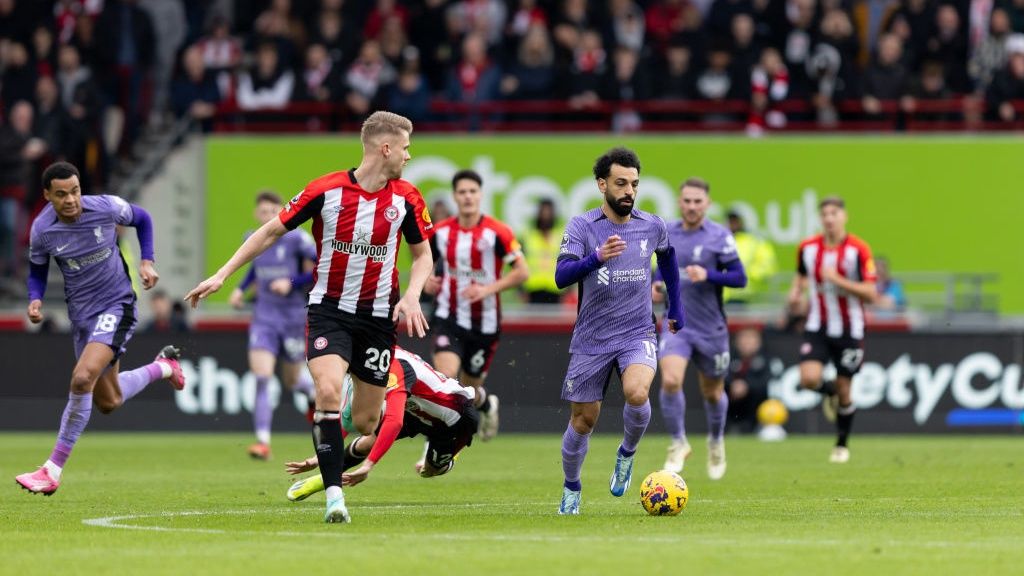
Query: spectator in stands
column 918, row 18
column 886, row 78
column 222, row 54
column 319, row 79
column 717, row 83
column 797, row 41
column 676, row 79
column 475, row 78
column 267, row 84
column 393, row 41
column 18, row 81
column 51, row 120
column 483, row 17
column 746, row 52
column 990, row 55
column 532, row 74
column 428, row 32
column 368, row 79
column 758, row 257
column 280, row 23
column 1015, row 8
column 948, row 44
column 747, row 380
column 588, row 70
column 338, row 34
column 541, row 245
column 80, row 97
column 890, row 291
column 194, row 92
column 929, row 85
column 18, row 150
column 384, row 10
column 526, row 16
column 627, row 83
column 1008, row 84
column 166, row 316
column 126, row 52
column 571, row 22
column 44, row 54
column 665, row 19
column 410, row 95
column 832, row 66
column 769, row 85
column 626, row 26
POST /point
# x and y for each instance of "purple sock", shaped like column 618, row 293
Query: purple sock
column 673, row 412
column 134, row 381
column 716, row 416
column 72, row 424
column 574, row 450
column 635, row 420
column 262, row 413
column 304, row 384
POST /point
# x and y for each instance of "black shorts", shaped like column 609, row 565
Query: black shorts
column 474, row 349
column 845, row 353
column 367, row 343
column 444, row 442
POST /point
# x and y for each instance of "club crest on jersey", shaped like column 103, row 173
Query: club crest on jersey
column 98, row 231
column 320, row 343
column 697, row 251
column 391, row 214
column 643, row 247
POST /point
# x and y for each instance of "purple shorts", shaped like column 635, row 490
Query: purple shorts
column 709, row 353
column 588, row 375
column 286, row 341
column 113, row 327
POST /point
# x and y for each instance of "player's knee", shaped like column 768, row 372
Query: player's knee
column 671, row 384
column 82, row 381
column 636, row 397
column 584, row 423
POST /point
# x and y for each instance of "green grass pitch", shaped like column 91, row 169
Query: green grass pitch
column 191, row 504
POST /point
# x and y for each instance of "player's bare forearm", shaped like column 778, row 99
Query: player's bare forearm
column 254, row 245
column 865, row 291
column 797, row 290
column 422, row 266
column 519, row 273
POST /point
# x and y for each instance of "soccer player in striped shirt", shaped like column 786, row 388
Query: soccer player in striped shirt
column 80, row 234
column 608, row 251
column 472, row 249
column 359, row 217
column 835, row 269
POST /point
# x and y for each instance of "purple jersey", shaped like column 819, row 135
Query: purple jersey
column 614, row 300
column 712, row 247
column 95, row 273
column 282, row 260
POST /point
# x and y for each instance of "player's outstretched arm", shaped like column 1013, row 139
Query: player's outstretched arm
column 306, row 465
column 409, row 305
column 734, row 275
column 254, row 245
column 390, row 427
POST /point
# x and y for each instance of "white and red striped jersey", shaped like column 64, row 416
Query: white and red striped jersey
column 473, row 255
column 357, row 239
column 433, row 397
column 832, row 310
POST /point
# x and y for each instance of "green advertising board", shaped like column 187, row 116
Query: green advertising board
column 944, row 204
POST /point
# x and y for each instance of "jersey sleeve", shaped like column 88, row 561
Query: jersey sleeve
column 866, row 264
column 38, row 251
column 663, row 243
column 509, row 248
column 574, row 241
column 120, row 209
column 304, row 206
column 416, row 226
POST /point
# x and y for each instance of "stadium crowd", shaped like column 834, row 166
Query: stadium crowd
column 81, row 79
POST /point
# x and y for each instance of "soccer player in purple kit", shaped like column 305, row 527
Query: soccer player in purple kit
column 608, row 252
column 707, row 262
column 80, row 232
column 278, row 327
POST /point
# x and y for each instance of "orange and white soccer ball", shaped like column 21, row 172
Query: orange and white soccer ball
column 664, row 493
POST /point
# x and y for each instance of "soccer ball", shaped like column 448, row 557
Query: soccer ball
column 772, row 412
column 664, row 493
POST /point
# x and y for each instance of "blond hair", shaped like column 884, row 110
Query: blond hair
column 382, row 122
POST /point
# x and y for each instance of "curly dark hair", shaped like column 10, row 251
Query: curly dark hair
column 619, row 155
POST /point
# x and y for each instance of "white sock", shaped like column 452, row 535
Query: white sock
column 334, row 492
column 53, row 469
column 165, row 369
column 263, row 437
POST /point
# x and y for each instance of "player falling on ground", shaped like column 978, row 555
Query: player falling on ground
column 359, row 217
column 80, row 233
column 608, row 251
column 419, row 400
column 837, row 272
column 706, row 254
column 282, row 275
column 472, row 249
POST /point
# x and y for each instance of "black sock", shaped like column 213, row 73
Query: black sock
column 486, row 405
column 352, row 457
column 844, row 421
column 827, row 388
column 329, row 446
